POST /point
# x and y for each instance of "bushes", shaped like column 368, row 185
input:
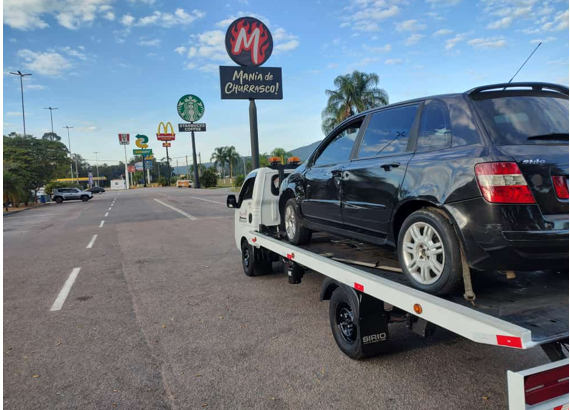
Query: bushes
column 54, row 185
column 238, row 182
column 162, row 181
column 173, row 180
column 209, row 178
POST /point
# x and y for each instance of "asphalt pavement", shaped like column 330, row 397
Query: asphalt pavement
column 150, row 309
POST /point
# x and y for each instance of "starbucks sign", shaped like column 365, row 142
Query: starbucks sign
column 190, row 108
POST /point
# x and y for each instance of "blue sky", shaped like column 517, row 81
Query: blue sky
column 120, row 66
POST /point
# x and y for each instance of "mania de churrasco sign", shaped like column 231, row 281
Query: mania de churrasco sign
column 260, row 83
column 249, row 42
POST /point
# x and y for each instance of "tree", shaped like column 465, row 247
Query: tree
column 209, row 178
column 219, row 158
column 354, row 93
column 52, row 136
column 232, row 157
column 281, row 153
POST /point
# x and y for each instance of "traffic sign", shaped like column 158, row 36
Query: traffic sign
column 142, row 151
column 188, row 127
column 124, row 139
column 190, row 108
column 249, row 42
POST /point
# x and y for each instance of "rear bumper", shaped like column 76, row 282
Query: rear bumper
column 511, row 237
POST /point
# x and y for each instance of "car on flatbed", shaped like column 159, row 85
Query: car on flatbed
column 481, row 174
column 68, row 194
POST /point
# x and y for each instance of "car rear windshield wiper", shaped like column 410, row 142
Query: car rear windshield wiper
column 553, row 136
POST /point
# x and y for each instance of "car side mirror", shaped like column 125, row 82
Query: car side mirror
column 231, row 202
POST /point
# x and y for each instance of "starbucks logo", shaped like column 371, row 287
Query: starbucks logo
column 190, row 108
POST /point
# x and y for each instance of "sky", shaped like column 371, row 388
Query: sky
column 120, row 66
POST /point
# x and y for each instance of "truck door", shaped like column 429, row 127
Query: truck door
column 371, row 182
column 244, row 214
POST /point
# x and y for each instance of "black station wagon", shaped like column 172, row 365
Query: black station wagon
column 482, row 174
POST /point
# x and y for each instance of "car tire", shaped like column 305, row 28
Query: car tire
column 430, row 253
column 84, row 198
column 343, row 316
column 251, row 265
column 295, row 232
column 58, row 199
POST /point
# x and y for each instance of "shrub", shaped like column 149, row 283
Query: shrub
column 209, row 178
column 173, row 180
column 162, row 181
column 238, row 181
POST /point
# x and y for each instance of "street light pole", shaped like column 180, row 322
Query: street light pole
column 70, row 157
column 97, row 166
column 51, row 116
column 22, row 89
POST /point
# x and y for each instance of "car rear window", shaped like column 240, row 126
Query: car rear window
column 525, row 119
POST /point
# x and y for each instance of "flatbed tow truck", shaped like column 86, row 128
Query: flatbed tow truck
column 367, row 293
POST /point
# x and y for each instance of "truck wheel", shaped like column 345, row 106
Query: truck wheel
column 84, row 198
column 343, row 318
column 297, row 234
column 58, row 199
column 251, row 265
column 429, row 252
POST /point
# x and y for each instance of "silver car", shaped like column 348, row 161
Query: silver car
column 66, row 194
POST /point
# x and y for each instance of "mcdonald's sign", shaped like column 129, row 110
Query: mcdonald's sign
column 166, row 144
column 163, row 134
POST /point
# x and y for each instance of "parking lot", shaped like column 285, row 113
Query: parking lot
column 160, row 315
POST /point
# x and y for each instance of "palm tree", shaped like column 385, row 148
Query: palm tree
column 231, row 157
column 219, row 158
column 354, row 93
column 281, row 153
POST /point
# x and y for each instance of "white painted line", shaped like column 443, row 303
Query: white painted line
column 65, row 290
column 102, row 222
column 177, row 210
column 109, row 209
column 208, row 200
column 106, row 214
column 91, row 242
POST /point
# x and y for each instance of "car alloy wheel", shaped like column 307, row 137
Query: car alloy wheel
column 423, row 252
column 290, row 222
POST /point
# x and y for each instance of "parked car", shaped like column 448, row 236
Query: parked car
column 482, row 173
column 66, row 194
column 96, row 190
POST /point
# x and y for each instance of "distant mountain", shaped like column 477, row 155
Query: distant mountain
column 306, row 151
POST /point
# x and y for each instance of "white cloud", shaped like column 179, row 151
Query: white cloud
column 452, row 42
column 288, row 46
column 435, row 16
column 413, row 39
column 500, row 24
column 167, row 20
column 284, row 41
column 71, row 14
column 155, row 42
column 443, row 3
column 109, row 16
column 366, row 17
column 442, row 32
column 332, row 65
column 14, row 114
column 48, row 63
column 410, row 25
column 74, row 53
column 393, row 61
column 180, row 50
column 382, row 49
column 127, row 20
column 546, row 40
column 488, row 43
column 149, row 2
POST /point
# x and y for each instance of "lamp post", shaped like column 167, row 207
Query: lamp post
column 71, row 165
column 51, row 116
column 97, row 166
column 22, row 89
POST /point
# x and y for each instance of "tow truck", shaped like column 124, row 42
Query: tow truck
column 368, row 294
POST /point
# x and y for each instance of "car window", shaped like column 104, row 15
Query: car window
column 435, row 129
column 339, row 148
column 388, row 132
column 247, row 190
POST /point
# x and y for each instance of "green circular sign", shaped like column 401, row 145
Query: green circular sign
column 190, row 108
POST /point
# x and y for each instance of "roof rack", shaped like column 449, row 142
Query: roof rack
column 535, row 87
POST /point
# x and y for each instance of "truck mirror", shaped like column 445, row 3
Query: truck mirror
column 231, row 201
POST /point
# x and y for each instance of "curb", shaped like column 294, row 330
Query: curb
column 22, row 210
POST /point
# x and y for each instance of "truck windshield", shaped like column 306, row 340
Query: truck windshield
column 525, row 119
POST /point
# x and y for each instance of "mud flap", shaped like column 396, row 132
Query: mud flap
column 372, row 325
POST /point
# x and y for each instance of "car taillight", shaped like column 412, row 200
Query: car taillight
column 503, row 183
column 560, row 186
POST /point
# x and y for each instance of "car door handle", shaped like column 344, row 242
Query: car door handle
column 388, row 167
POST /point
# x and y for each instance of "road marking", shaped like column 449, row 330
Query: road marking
column 102, row 222
column 106, row 214
column 65, row 290
column 193, row 218
column 91, row 242
column 109, row 209
column 207, row 200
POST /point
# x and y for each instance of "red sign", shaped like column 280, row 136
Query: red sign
column 124, row 139
column 131, row 168
column 249, row 42
column 165, row 132
column 166, row 144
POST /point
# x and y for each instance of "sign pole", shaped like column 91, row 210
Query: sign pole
column 196, row 178
column 144, row 171
column 126, row 167
column 168, row 164
column 253, row 133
